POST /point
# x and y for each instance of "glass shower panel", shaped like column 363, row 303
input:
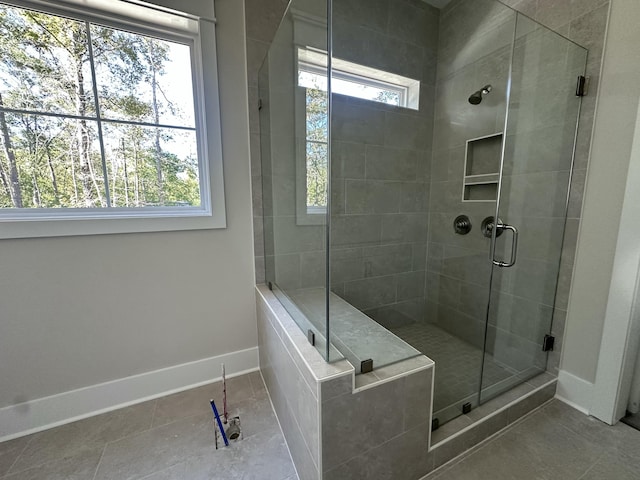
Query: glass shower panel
column 536, row 173
column 474, row 52
column 294, row 156
column 383, row 76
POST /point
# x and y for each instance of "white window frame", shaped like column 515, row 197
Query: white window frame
column 184, row 24
column 312, row 60
column 401, row 90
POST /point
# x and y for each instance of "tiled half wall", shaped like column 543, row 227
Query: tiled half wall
column 334, row 429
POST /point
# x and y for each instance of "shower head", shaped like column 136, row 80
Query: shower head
column 476, row 97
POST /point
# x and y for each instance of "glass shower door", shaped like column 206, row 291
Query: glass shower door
column 537, row 160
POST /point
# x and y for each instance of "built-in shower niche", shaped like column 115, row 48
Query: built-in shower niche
column 481, row 168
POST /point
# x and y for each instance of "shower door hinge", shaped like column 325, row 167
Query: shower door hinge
column 366, row 366
column 270, row 285
column 311, row 337
column 582, row 87
column 548, row 342
column 259, row 104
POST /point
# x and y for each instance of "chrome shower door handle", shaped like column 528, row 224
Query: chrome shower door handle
column 514, row 247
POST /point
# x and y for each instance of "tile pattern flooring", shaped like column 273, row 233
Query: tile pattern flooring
column 555, row 442
column 169, row 438
column 457, row 362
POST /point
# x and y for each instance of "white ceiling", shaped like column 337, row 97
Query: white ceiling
column 438, row 3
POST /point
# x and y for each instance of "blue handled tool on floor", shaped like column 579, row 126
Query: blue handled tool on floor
column 222, row 432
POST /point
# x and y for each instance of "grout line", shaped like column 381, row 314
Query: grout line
column 592, row 466
column 380, row 445
column 291, row 411
column 153, row 415
column 18, row 456
column 253, row 388
column 95, row 474
column 571, row 430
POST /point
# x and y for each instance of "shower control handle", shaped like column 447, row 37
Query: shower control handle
column 462, row 225
column 514, row 246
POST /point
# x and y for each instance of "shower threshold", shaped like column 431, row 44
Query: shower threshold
column 468, row 430
column 458, row 362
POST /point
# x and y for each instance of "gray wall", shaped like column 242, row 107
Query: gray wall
column 381, row 160
column 474, row 50
column 380, row 163
column 524, row 298
column 77, row 311
column 295, row 253
column 294, row 249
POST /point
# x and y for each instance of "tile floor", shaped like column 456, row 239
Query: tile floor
column 555, row 442
column 458, row 363
column 169, row 438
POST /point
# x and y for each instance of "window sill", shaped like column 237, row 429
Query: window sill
column 138, row 222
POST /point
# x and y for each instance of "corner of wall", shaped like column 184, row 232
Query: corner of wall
column 574, row 391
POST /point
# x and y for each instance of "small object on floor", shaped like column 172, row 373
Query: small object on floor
column 220, row 427
column 234, row 431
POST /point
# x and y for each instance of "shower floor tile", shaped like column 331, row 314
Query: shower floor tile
column 458, row 363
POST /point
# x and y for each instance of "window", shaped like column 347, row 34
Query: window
column 102, row 119
column 315, row 140
column 356, row 80
column 348, row 79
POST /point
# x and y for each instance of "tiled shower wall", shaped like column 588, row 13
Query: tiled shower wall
column 474, row 50
column 380, row 161
column 583, row 21
column 295, row 240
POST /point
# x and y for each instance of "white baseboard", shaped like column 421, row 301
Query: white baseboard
column 574, row 391
column 43, row 413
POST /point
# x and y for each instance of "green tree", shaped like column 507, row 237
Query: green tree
column 316, row 147
column 57, row 162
